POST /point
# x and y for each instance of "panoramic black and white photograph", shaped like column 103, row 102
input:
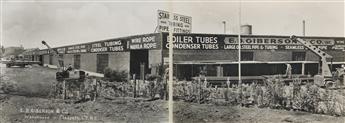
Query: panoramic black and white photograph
column 168, row 61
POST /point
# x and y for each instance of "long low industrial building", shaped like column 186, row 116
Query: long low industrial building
column 217, row 54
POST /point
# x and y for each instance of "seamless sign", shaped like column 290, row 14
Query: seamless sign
column 179, row 23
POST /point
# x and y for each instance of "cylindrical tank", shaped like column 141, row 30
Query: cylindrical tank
column 246, row 29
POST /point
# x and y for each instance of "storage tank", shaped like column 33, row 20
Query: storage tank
column 246, row 29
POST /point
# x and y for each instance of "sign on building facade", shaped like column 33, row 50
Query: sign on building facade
column 230, row 42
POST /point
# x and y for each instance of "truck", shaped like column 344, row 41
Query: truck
column 18, row 61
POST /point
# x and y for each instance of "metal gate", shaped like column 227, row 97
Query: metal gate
column 77, row 61
column 102, row 62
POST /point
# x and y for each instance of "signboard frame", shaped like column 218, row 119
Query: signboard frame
column 168, row 21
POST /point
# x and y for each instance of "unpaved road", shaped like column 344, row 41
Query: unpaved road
column 30, row 102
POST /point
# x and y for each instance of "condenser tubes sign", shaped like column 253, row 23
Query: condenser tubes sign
column 179, row 23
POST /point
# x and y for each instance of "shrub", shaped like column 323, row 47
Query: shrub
column 151, row 77
column 115, row 75
column 8, row 86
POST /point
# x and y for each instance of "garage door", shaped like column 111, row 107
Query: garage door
column 102, row 62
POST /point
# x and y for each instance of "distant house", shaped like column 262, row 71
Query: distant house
column 12, row 51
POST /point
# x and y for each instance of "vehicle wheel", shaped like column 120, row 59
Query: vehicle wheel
column 8, row 65
column 329, row 84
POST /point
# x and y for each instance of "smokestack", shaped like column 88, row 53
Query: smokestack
column 246, row 29
column 224, row 23
column 303, row 27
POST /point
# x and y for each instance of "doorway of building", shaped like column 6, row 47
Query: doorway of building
column 102, row 62
column 40, row 57
column 77, row 61
column 50, row 59
column 139, row 63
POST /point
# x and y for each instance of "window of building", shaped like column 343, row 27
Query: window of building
column 298, row 56
column 102, row 62
column 247, row 56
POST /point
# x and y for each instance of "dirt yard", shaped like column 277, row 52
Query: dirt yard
column 202, row 113
column 28, row 101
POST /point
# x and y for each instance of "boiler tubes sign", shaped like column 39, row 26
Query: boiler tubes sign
column 194, row 42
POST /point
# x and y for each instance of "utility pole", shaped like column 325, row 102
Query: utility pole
column 239, row 52
column 170, row 82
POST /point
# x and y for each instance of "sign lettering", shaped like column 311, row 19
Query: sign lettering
column 194, row 42
column 147, row 42
column 226, row 42
column 77, row 49
column 179, row 23
column 108, row 46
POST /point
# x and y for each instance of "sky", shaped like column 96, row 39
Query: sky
column 65, row 23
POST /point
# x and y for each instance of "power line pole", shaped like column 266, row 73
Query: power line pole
column 239, row 52
column 171, row 75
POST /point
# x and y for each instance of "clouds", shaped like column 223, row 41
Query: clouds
column 71, row 23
